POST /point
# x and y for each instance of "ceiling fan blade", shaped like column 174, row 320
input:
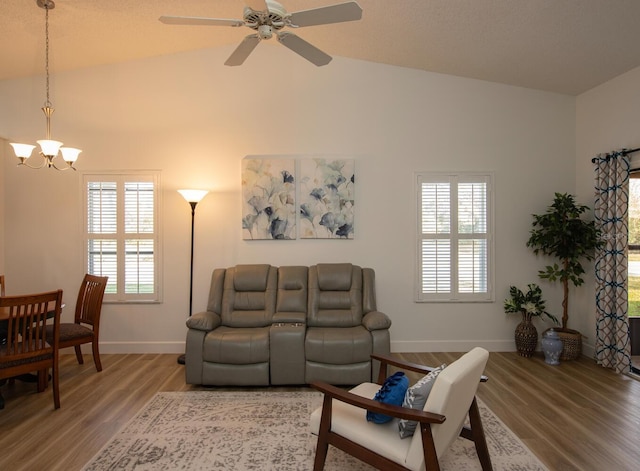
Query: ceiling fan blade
column 305, row 49
column 257, row 5
column 191, row 20
column 245, row 48
column 349, row 11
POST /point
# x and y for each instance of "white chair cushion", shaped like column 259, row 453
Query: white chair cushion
column 350, row 422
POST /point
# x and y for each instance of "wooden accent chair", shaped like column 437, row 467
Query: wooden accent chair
column 86, row 326
column 1, row 285
column 30, row 345
column 341, row 420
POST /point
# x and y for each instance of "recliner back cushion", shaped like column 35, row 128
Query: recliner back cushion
column 335, row 295
column 334, row 276
column 249, row 296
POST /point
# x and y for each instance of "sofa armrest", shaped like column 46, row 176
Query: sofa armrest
column 205, row 321
column 376, row 320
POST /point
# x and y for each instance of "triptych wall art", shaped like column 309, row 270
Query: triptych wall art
column 286, row 198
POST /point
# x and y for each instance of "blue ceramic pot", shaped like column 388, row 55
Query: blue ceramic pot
column 551, row 347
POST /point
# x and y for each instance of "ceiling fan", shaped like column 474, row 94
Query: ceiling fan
column 268, row 17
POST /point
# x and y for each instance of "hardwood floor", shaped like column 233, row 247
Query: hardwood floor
column 576, row 416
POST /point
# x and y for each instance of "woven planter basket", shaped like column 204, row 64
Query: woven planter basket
column 571, row 343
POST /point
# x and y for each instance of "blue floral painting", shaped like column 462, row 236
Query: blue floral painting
column 268, row 199
column 326, row 198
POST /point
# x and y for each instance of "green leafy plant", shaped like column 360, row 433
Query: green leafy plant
column 529, row 304
column 562, row 233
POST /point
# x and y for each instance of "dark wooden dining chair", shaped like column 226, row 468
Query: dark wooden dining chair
column 30, row 344
column 86, row 325
column 1, row 285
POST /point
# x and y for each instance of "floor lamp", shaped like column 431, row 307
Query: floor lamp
column 193, row 197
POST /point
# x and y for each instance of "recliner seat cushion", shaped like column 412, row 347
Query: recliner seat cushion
column 237, row 346
column 339, row 345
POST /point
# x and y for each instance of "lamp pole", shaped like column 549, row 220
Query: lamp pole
column 193, row 197
column 193, row 220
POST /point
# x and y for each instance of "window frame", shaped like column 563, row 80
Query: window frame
column 454, row 296
column 122, row 177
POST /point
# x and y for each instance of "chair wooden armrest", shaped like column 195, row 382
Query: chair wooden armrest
column 385, row 361
column 333, row 392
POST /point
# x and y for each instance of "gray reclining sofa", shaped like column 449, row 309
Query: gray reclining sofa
column 267, row 325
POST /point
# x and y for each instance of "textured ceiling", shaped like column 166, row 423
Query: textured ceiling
column 564, row 46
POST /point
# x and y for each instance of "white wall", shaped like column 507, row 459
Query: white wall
column 607, row 118
column 195, row 119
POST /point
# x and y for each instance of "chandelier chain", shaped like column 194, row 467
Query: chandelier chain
column 46, row 60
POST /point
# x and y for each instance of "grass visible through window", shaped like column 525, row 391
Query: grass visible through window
column 634, row 284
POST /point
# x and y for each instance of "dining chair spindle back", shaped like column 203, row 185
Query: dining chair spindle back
column 86, row 325
column 32, row 338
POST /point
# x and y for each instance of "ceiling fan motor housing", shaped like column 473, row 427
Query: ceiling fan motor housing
column 266, row 21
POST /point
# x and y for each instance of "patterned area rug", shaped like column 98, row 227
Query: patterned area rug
column 246, row 430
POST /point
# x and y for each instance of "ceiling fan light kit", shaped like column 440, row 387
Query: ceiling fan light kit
column 269, row 18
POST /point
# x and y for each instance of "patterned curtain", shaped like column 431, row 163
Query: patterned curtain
column 613, row 346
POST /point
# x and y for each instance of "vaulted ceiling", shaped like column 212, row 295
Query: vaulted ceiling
column 563, row 46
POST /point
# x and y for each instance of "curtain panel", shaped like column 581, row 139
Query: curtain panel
column 612, row 345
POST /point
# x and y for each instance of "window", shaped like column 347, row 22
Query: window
column 121, row 234
column 454, row 237
column 633, row 268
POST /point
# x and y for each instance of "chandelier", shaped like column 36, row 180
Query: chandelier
column 48, row 148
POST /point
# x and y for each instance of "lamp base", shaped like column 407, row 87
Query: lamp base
column 181, row 359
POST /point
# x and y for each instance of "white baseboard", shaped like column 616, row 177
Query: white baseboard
column 134, row 347
column 588, row 350
column 415, row 346
column 452, row 346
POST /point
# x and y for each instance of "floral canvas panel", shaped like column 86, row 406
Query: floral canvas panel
column 268, row 199
column 327, row 198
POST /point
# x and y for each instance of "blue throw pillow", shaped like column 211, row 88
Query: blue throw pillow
column 391, row 392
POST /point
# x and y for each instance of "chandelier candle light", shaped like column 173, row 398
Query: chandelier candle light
column 48, row 147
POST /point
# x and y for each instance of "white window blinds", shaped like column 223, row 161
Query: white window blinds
column 122, row 236
column 454, row 239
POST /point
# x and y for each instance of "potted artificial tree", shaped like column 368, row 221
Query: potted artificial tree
column 562, row 233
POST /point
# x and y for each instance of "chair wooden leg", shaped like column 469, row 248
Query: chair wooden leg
column 56, row 390
column 429, row 448
column 321, row 454
column 79, row 354
column 96, row 355
column 323, row 434
column 478, row 437
column 43, row 379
